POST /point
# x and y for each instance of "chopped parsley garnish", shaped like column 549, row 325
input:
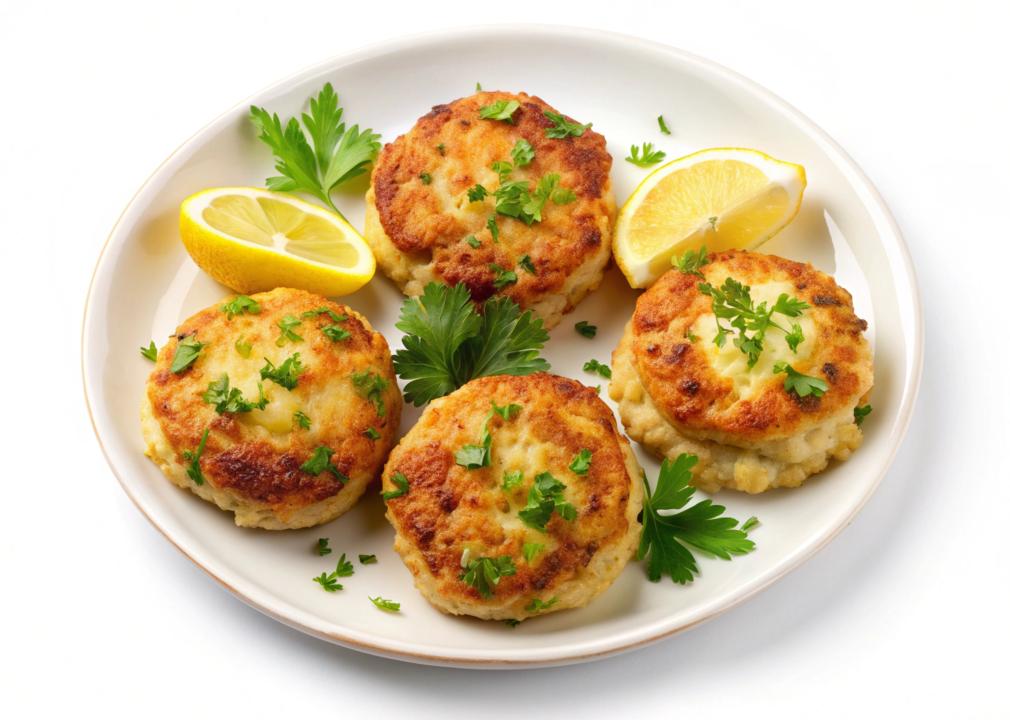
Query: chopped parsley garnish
column 226, row 399
column 472, row 241
column 861, row 412
column 511, row 480
column 242, row 347
column 691, row 262
column 193, row 457
column 335, row 333
column 595, row 366
column 477, row 193
column 320, row 462
column 329, row 312
column 512, row 622
column 662, row 125
column 492, row 225
column 240, row 305
column 473, row 457
column 186, row 353
column 538, row 605
column 531, row 550
column 384, row 604
column 447, row 342
column 733, row 302
column 800, row 384
column 750, row 523
column 323, row 546
column 150, row 352
column 503, row 168
column 367, row 559
column 286, row 374
column 328, row 581
column 287, row 324
column 666, row 538
column 503, row 277
column 336, row 154
column 581, row 462
column 302, row 420
column 505, row 412
column 370, row 386
column 344, row 566
column 499, row 110
column 584, row 329
column 690, row 336
column 546, row 497
column 371, row 433
column 484, row 573
column 527, row 264
column 425, row 178
column 563, row 127
column 402, row 486
column 479, row 88
column 514, row 198
column 648, row 156
column 522, row 153
column 563, row 196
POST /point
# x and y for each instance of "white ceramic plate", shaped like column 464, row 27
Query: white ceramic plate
column 145, row 284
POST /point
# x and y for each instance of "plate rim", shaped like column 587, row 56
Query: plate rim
column 603, row 647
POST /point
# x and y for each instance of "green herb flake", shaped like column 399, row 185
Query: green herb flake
column 323, row 546
column 527, row 264
column 500, row 110
column 302, row 420
column 484, row 573
column 503, row 277
column 286, row 374
column 750, row 523
column 506, row 412
column 425, row 178
column 522, row 153
column 384, row 604
column 150, row 352
column 595, row 366
column 367, row 559
column 328, row 582
column 335, row 333
column 186, row 352
column 287, row 325
column 242, row 347
column 472, row 241
column 370, row 385
column 861, row 412
column 581, row 462
column 662, row 126
column 492, row 225
column 441, row 149
column 511, row 480
column 226, row 399
column 691, row 262
column 371, row 433
column 321, row 310
column 538, row 605
column 546, row 497
column 193, row 470
column 531, row 550
column 647, row 157
column 477, row 193
column 402, row 487
column 798, row 383
column 584, row 329
column 563, row 127
column 319, row 462
column 240, row 305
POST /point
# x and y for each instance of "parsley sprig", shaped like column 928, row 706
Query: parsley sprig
column 186, row 352
column 797, row 382
column 336, row 155
column 240, row 305
column 667, row 539
column 648, row 155
column 150, row 352
column 546, row 497
column 484, row 573
column 447, row 342
column 286, row 374
column 732, row 302
column 563, row 127
column 320, row 462
column 226, row 399
column 692, row 261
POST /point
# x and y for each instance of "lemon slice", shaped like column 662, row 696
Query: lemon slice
column 720, row 198
column 253, row 240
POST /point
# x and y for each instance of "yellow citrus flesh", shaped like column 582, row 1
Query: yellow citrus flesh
column 254, row 240
column 721, row 198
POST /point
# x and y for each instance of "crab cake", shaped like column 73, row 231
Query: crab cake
column 680, row 392
column 427, row 218
column 286, row 413
column 514, row 496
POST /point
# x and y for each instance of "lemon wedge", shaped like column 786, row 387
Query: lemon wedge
column 253, row 240
column 720, row 198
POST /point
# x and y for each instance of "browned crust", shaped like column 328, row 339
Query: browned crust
column 449, row 506
column 266, row 471
column 694, row 398
column 418, row 222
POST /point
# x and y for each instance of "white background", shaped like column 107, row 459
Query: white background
column 907, row 612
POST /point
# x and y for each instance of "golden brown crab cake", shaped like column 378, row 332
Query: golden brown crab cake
column 423, row 226
column 552, row 516
column 298, row 400
column 678, row 391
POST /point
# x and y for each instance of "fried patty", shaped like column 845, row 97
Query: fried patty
column 252, row 461
column 423, row 226
column 453, row 516
column 678, row 391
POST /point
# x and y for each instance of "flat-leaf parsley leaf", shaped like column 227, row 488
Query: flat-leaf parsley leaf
column 648, row 156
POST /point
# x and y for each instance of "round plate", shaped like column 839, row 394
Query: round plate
column 144, row 284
